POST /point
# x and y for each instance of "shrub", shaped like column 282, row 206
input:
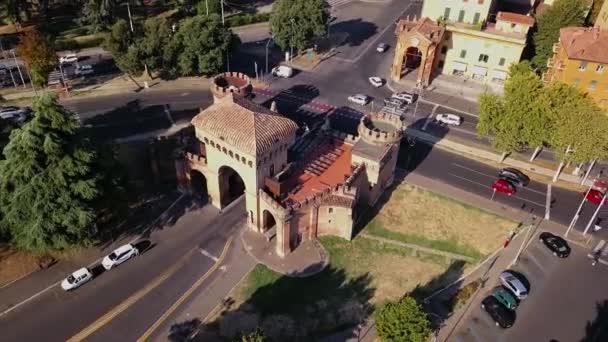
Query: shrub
column 403, row 320
column 465, row 293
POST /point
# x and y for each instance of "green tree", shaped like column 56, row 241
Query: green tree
column 156, row 36
column 402, row 321
column 561, row 14
column 295, row 23
column 213, row 6
column 256, row 336
column 98, row 14
column 16, row 11
column 38, row 54
column 122, row 45
column 199, row 47
column 49, row 181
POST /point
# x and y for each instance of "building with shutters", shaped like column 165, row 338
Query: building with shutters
column 297, row 183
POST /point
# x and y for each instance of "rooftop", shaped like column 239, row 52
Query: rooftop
column 515, row 18
column 243, row 124
column 488, row 30
column 329, row 165
column 585, row 44
column 371, row 151
column 425, row 26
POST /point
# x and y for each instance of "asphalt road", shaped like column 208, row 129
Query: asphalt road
column 144, row 287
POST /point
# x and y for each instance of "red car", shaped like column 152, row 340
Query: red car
column 595, row 197
column 504, row 186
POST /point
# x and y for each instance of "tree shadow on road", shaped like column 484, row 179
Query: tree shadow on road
column 597, row 330
column 353, row 32
column 293, row 309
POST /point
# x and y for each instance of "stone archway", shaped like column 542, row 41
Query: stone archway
column 268, row 220
column 412, row 58
column 231, row 185
column 198, row 185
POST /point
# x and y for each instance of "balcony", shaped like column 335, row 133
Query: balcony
column 555, row 47
column 550, row 62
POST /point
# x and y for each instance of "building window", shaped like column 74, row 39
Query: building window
column 444, row 49
column 446, row 13
column 237, row 157
column 501, row 62
column 250, row 215
column 231, row 154
column 271, row 170
column 463, row 53
column 250, row 164
column 243, row 160
column 212, row 143
column 582, row 66
column 224, row 150
column 483, row 58
column 461, row 16
column 600, row 68
column 206, row 140
column 576, row 81
column 476, row 18
column 330, row 210
column 593, row 85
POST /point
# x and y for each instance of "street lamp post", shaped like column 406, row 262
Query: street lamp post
column 267, row 43
column 18, row 68
column 292, row 34
column 578, row 211
column 419, row 88
column 599, row 206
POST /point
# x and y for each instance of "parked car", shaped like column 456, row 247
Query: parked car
column 503, row 186
column 376, row 81
column 69, row 58
column 84, row 69
column 120, row 255
column 359, row 99
column 409, row 98
column 394, row 102
column 595, row 197
column 514, row 176
column 449, row 119
column 76, row 279
column 513, row 284
column 15, row 114
column 556, row 244
column 382, row 47
column 502, row 316
column 505, row 298
column 282, row 71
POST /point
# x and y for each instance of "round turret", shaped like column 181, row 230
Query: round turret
column 231, row 82
column 381, row 128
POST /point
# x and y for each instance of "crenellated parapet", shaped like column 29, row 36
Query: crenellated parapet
column 273, row 204
column 231, row 82
column 346, row 138
column 381, row 128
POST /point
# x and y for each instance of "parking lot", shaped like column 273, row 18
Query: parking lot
column 567, row 300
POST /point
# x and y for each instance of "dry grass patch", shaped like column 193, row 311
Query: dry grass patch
column 418, row 216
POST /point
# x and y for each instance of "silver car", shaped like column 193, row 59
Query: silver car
column 511, row 282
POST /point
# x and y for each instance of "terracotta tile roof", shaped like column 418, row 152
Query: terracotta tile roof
column 515, row 18
column 585, row 44
column 428, row 28
column 244, row 124
column 339, row 201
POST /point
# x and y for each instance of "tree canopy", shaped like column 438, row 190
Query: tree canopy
column 297, row 22
column 49, row 181
column 402, row 321
column 38, row 54
column 98, row 14
column 562, row 13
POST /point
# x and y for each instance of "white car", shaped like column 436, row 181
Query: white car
column 282, row 71
column 449, row 119
column 381, row 47
column 84, row 69
column 69, row 58
column 359, row 99
column 120, row 255
column 376, row 81
column 15, row 114
column 76, row 279
column 511, row 282
column 407, row 97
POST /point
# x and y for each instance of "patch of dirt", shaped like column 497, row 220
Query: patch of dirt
column 439, row 218
column 16, row 264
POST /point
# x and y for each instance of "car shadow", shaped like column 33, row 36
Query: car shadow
column 97, row 270
column 144, row 246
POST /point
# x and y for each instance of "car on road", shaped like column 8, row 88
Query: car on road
column 513, row 284
column 595, row 197
column 76, row 279
column 84, row 69
column 394, row 102
column 119, row 255
column 359, row 99
column 282, row 71
column 556, row 244
column 503, row 186
column 407, row 97
column 14, row 114
column 502, row 316
column 382, row 47
column 449, row 119
column 69, row 58
column 514, row 176
column 505, row 298
column 376, row 81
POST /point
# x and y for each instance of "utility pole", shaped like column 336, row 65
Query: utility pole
column 548, row 202
column 222, row 6
column 292, row 33
column 578, row 212
column 65, row 84
column 18, row 68
column 267, row 43
column 129, row 12
column 419, row 88
column 207, row 6
column 599, row 206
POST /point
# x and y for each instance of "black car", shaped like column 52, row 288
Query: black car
column 557, row 245
column 502, row 316
column 514, row 176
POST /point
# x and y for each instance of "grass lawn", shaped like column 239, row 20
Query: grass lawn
column 421, row 217
column 362, row 274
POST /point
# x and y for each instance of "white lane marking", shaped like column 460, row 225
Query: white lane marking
column 209, row 255
column 489, row 187
column 496, row 177
column 185, row 94
column 455, row 110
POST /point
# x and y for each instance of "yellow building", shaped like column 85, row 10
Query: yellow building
column 477, row 44
column 580, row 58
